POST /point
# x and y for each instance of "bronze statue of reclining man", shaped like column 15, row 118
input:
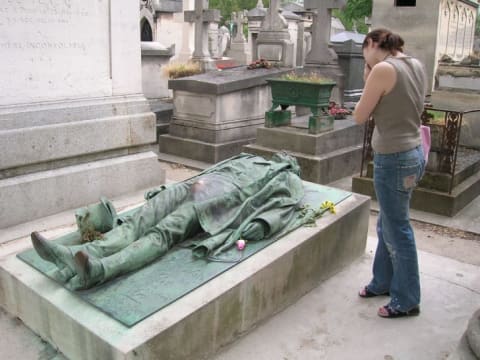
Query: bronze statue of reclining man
column 243, row 197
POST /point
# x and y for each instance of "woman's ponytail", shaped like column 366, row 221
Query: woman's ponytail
column 386, row 40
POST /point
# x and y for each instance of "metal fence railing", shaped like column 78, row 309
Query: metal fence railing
column 445, row 126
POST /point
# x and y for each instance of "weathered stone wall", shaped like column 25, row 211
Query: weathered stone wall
column 73, row 119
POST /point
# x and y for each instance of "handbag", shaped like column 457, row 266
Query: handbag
column 426, row 140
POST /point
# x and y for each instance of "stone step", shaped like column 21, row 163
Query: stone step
column 432, row 201
column 322, row 169
column 163, row 111
column 345, row 134
column 199, row 150
column 67, row 111
column 44, row 193
column 45, row 147
column 468, row 164
column 208, row 318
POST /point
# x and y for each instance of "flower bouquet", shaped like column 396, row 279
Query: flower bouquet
column 260, row 63
column 337, row 111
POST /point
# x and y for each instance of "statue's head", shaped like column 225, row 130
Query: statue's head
column 284, row 157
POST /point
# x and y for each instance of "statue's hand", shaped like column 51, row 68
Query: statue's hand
column 255, row 231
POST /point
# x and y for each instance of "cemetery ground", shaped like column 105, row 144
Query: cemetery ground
column 331, row 321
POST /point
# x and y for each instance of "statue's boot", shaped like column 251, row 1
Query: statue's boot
column 60, row 255
column 89, row 269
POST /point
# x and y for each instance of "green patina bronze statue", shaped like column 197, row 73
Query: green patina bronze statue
column 244, row 197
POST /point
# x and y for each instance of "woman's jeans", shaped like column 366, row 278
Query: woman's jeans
column 395, row 268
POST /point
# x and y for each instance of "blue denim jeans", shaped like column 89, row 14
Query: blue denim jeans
column 395, row 267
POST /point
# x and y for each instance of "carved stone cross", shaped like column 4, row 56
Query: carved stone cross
column 273, row 21
column 239, row 19
column 201, row 17
column 322, row 22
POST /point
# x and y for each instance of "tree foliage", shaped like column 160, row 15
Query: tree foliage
column 357, row 9
column 227, row 7
column 354, row 13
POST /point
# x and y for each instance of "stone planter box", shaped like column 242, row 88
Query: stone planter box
column 303, row 93
column 314, row 95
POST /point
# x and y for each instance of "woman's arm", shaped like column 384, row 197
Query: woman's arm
column 379, row 81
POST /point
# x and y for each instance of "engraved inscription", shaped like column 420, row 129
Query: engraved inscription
column 56, row 48
column 40, row 12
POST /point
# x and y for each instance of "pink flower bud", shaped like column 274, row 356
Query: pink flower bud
column 241, row 244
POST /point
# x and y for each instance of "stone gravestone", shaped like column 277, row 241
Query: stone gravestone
column 239, row 49
column 74, row 124
column 273, row 42
column 201, row 17
column 321, row 55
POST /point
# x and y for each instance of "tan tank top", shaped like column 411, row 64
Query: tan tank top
column 397, row 114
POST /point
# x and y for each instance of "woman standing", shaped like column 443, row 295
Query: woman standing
column 394, row 94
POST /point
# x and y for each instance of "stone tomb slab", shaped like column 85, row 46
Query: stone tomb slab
column 126, row 298
column 205, row 319
column 217, row 112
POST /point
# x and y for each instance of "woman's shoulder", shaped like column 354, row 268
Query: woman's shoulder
column 384, row 68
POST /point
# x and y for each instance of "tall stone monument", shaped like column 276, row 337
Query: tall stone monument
column 322, row 56
column 296, row 28
column 201, row 17
column 255, row 17
column 273, row 42
column 74, row 124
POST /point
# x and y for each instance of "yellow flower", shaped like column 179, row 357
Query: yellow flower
column 328, row 205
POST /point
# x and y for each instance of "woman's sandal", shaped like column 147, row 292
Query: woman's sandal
column 388, row 312
column 365, row 293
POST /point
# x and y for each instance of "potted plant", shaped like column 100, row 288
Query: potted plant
column 305, row 89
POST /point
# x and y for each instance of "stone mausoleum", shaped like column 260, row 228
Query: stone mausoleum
column 452, row 21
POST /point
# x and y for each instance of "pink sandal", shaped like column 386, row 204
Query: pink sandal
column 365, row 293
